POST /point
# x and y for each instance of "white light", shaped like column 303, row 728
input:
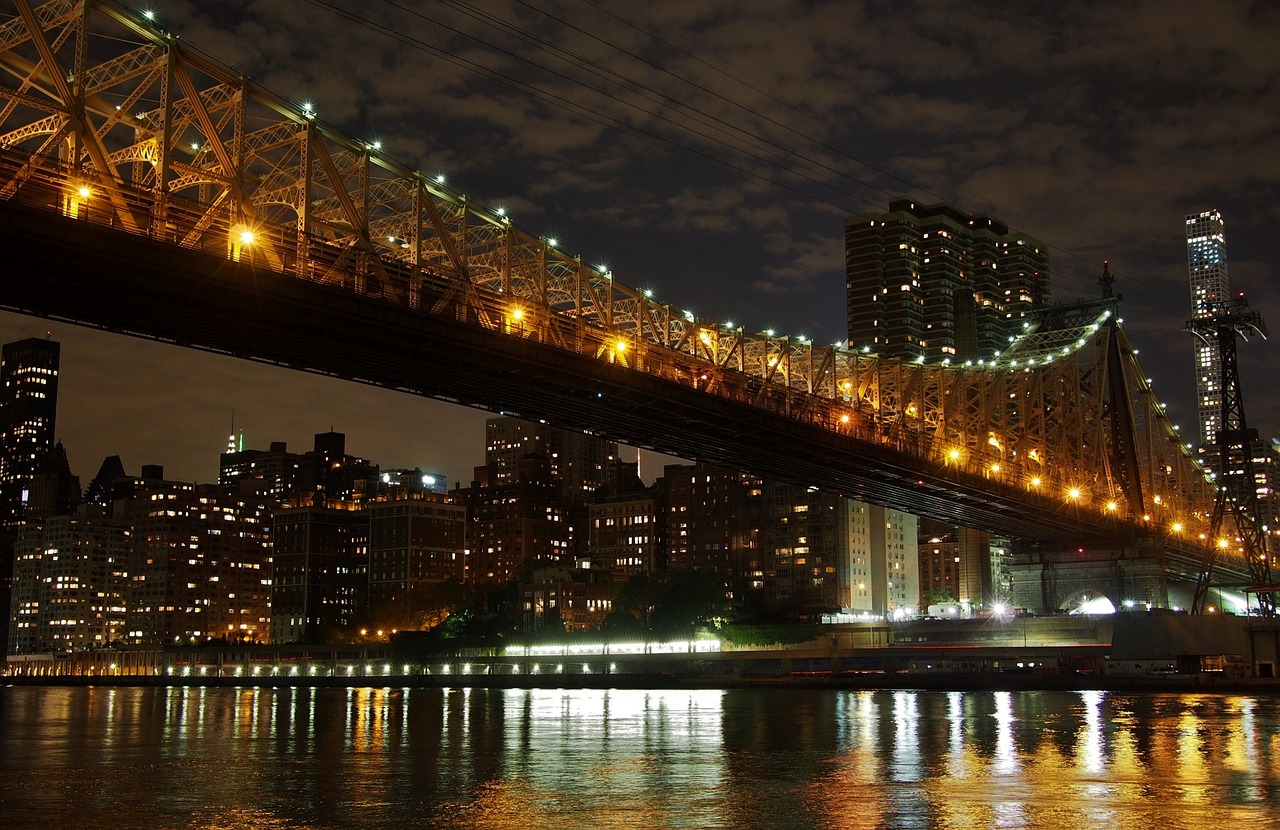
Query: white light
column 551, row 241
column 428, row 481
column 440, row 179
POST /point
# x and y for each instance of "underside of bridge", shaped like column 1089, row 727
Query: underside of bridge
column 96, row 276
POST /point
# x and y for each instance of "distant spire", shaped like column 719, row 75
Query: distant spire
column 231, row 439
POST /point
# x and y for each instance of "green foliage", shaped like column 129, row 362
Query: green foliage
column 423, row 608
column 767, row 635
column 938, row 596
column 671, row 602
column 619, row 625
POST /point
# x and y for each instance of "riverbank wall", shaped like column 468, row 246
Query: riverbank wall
column 1138, row 652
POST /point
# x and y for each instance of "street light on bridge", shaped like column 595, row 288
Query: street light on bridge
column 242, row 236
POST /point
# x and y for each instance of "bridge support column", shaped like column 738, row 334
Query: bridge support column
column 1048, row 581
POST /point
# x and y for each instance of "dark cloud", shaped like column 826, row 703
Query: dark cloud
column 710, row 150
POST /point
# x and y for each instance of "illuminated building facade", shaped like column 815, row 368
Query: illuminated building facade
column 627, row 535
column 956, row 562
column 319, row 577
column 581, row 461
column 515, row 524
column 1207, row 268
column 69, row 585
column 28, row 418
column 199, row 566
column 880, row 571
column 565, row 598
column 414, row 543
column 936, row 282
column 799, row 551
column 713, row 521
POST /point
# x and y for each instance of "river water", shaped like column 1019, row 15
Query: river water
column 529, row 759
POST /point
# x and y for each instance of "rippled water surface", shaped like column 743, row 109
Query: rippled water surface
column 764, row 758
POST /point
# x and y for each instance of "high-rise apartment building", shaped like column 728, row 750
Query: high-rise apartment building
column 515, row 523
column 413, row 543
column 800, row 550
column 626, row 534
column 28, row 416
column 320, row 571
column 69, row 583
column 1207, row 269
column 934, row 281
column 713, row 522
column 956, row 562
column 581, row 461
column 199, row 566
column 28, row 413
column 939, row 283
column 881, row 571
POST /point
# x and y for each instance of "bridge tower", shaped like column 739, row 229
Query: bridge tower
column 1237, row 492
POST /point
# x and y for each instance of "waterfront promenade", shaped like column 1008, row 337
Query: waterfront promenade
column 1138, row 651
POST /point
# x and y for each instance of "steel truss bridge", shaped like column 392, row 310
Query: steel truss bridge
column 147, row 189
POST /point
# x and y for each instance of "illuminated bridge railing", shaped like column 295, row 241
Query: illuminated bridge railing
column 109, row 120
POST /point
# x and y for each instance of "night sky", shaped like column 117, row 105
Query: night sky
column 711, row 150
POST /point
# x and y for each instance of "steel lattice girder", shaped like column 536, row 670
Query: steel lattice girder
column 218, row 159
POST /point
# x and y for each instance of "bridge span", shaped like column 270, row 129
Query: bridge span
column 148, row 190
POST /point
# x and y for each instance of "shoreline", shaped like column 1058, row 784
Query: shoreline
column 1173, row 684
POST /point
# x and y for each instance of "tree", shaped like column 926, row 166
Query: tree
column 422, row 608
column 670, row 602
column 939, row 596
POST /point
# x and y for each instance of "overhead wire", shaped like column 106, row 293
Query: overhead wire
column 563, row 102
column 1075, row 273
column 1090, row 276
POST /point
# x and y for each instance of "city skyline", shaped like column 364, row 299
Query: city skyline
column 1073, row 149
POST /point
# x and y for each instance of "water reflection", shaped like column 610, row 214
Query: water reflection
column 391, row 757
